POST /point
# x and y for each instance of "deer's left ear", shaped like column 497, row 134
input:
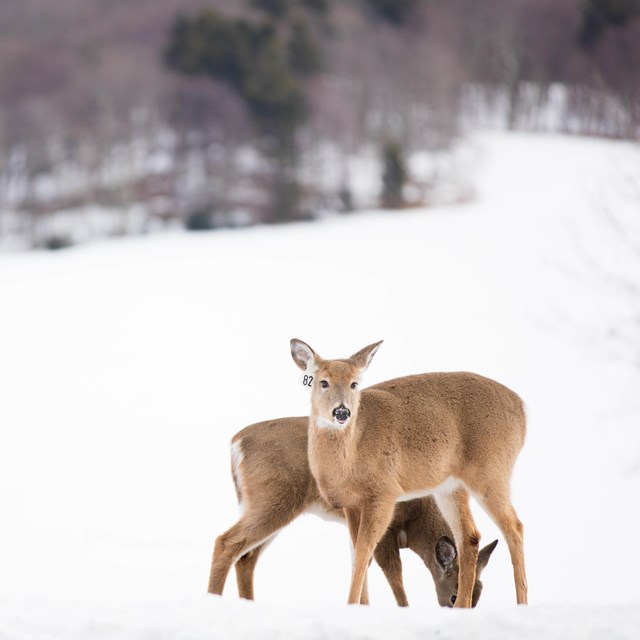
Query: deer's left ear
column 362, row 359
column 303, row 355
column 445, row 553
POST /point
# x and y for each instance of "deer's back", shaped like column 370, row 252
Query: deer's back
column 445, row 416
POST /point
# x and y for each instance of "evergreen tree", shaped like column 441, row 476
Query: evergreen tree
column 598, row 15
column 276, row 8
column 272, row 91
column 394, row 11
column 320, row 7
column 210, row 44
column 394, row 175
column 304, row 52
column 266, row 67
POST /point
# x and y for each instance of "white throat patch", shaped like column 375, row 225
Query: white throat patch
column 322, row 423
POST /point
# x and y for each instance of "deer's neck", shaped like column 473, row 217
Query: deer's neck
column 421, row 539
column 332, row 453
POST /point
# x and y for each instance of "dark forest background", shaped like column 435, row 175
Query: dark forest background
column 122, row 116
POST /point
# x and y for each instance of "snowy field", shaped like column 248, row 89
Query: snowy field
column 126, row 367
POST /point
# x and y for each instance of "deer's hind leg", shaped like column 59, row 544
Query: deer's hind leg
column 497, row 503
column 456, row 511
column 253, row 530
column 245, row 567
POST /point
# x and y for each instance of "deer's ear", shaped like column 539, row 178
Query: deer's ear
column 445, row 553
column 483, row 556
column 362, row 358
column 303, row 355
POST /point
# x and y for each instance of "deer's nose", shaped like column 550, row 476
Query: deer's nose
column 341, row 413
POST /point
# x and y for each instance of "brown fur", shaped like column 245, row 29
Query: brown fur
column 413, row 434
column 275, row 485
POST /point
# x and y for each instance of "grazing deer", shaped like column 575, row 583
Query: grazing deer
column 270, row 469
column 441, row 434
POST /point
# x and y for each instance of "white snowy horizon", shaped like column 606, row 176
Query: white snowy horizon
column 127, row 366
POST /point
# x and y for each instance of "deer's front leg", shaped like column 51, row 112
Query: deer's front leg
column 353, row 522
column 374, row 520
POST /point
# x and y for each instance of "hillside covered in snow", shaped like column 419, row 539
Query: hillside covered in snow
column 126, row 367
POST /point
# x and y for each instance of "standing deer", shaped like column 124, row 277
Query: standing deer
column 270, row 470
column 441, row 434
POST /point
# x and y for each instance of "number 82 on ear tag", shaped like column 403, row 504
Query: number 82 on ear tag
column 307, row 380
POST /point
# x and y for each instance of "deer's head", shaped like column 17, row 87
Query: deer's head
column 335, row 390
column 446, row 579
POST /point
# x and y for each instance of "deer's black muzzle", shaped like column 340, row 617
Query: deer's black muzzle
column 341, row 413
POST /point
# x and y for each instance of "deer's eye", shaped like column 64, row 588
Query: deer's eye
column 453, row 600
column 324, row 384
column 354, row 385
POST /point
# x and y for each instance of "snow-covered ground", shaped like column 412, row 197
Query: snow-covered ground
column 126, row 367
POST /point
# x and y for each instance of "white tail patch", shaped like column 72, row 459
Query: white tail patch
column 237, row 456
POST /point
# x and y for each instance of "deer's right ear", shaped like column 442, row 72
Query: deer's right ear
column 303, row 355
column 445, row 553
column 483, row 556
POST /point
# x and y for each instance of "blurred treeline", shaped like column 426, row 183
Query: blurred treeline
column 119, row 116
